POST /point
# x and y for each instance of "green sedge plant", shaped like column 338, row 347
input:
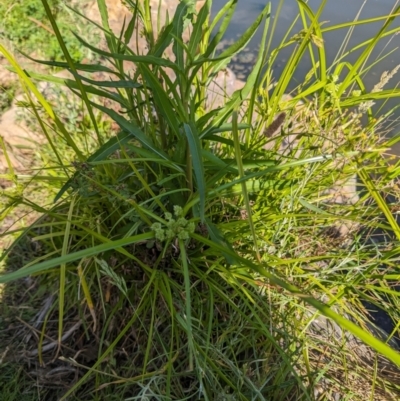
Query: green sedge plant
column 192, row 252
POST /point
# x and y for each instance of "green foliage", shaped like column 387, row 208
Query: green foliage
column 26, row 25
column 198, row 245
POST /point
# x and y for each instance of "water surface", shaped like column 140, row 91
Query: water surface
column 335, row 12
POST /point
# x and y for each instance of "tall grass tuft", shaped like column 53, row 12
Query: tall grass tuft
column 209, row 246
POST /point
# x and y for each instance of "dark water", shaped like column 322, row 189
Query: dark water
column 335, row 12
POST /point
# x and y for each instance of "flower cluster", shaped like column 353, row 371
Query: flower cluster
column 176, row 227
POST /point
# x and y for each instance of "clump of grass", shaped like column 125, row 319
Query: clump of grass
column 189, row 258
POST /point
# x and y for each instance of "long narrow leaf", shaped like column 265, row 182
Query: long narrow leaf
column 72, row 257
column 245, row 195
column 27, row 83
column 104, row 20
column 197, row 31
column 183, row 15
column 229, row 8
column 162, row 101
column 63, row 269
column 72, row 67
column 148, row 59
column 239, row 96
column 198, row 167
column 366, row 53
column 242, row 42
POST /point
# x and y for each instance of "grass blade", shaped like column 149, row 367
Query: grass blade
column 63, row 269
column 228, row 9
column 72, row 67
column 162, row 101
column 72, row 257
column 188, row 302
column 242, row 94
column 226, row 55
column 198, row 167
column 245, row 195
column 197, row 32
